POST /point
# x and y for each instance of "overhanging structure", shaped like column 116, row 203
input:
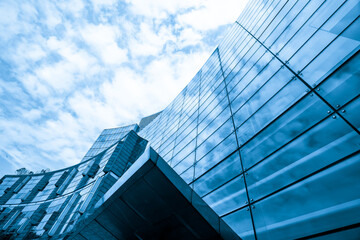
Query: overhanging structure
column 151, row 201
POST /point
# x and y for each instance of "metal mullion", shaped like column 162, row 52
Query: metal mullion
column 262, row 33
column 248, row 9
column 301, row 179
column 256, row 11
column 259, row 37
column 197, row 133
column 245, row 88
column 229, row 37
column 178, row 127
column 286, row 1
column 293, row 79
column 297, row 31
column 217, row 164
column 261, row 15
column 238, row 145
column 250, row 67
column 298, row 74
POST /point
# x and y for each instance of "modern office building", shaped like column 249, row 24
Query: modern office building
column 263, row 143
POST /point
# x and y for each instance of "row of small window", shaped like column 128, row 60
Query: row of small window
column 29, row 183
column 99, row 147
column 7, row 183
column 54, row 214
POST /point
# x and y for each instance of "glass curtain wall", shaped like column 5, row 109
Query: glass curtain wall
column 267, row 132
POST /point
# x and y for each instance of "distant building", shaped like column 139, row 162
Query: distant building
column 265, row 139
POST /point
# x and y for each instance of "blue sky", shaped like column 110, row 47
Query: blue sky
column 69, row 69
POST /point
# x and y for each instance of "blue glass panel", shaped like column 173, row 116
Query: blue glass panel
column 183, row 153
column 323, row 65
column 275, row 11
column 257, row 93
column 213, row 138
column 324, row 144
column 257, row 17
column 222, row 150
column 343, row 85
column 213, row 122
column 348, row 234
column 253, row 66
column 240, row 222
column 184, row 164
column 274, row 24
column 227, row 198
column 271, row 109
column 296, row 120
column 228, row 53
column 294, row 19
column 214, row 108
column 188, row 175
column 247, row 86
column 263, row 16
column 351, row 113
column 184, row 138
column 322, row 202
column 220, row 174
column 212, row 94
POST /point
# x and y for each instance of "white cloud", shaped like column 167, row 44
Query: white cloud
column 159, row 8
column 32, row 114
column 8, row 16
column 103, row 39
column 53, row 16
column 148, row 41
column 189, row 36
column 98, row 4
column 73, row 7
column 78, row 68
column 212, row 14
column 33, row 86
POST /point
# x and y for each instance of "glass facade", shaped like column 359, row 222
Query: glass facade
column 107, row 138
column 51, row 204
column 266, row 133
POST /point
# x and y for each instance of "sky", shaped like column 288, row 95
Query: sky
column 69, row 69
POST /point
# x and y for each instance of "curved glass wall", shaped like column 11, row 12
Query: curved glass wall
column 267, row 132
